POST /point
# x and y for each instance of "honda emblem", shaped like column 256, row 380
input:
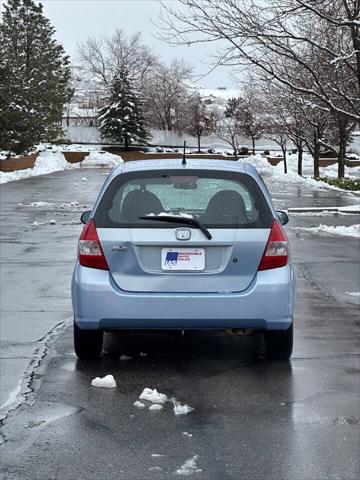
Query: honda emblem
column 183, row 233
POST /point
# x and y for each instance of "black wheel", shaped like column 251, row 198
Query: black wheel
column 279, row 344
column 88, row 343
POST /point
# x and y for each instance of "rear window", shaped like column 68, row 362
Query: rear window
column 217, row 199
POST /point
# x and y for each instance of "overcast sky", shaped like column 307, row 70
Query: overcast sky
column 75, row 20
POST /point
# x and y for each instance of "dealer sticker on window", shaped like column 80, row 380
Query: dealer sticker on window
column 183, row 259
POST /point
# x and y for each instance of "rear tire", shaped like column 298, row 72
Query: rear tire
column 279, row 343
column 88, row 343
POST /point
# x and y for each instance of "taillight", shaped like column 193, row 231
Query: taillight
column 90, row 251
column 277, row 249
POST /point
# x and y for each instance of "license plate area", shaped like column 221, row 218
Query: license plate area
column 183, row 259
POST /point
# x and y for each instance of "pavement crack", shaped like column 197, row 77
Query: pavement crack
column 305, row 274
column 26, row 389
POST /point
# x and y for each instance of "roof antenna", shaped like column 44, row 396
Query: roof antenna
column 184, row 155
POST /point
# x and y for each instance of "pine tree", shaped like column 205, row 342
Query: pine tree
column 122, row 119
column 34, row 77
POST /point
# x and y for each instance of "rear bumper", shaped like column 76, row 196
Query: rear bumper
column 266, row 304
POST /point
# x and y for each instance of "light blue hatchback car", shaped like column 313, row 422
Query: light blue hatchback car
column 173, row 246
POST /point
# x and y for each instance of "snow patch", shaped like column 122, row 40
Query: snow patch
column 153, row 396
column 139, row 404
column 38, row 204
column 52, row 221
column 73, row 147
column 155, row 455
column 156, row 406
column 189, row 467
column 350, row 231
column 71, row 204
column 170, row 214
column 106, row 382
column 353, row 294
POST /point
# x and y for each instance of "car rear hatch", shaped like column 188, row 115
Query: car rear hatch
column 150, row 255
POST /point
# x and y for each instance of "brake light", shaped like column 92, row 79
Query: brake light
column 90, row 251
column 277, row 249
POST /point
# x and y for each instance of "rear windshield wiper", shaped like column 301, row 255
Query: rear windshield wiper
column 186, row 220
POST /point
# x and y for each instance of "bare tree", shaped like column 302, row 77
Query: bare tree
column 229, row 127
column 251, row 114
column 104, row 57
column 273, row 36
column 275, row 113
column 308, row 47
column 201, row 117
column 284, row 112
column 342, row 15
column 280, row 137
column 167, row 94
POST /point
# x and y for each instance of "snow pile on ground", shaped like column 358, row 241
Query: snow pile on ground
column 153, row 396
column 262, row 165
column 350, row 209
column 277, row 171
column 332, row 172
column 181, row 409
column 353, row 294
column 308, row 167
column 47, row 162
column 259, row 162
column 189, row 467
column 101, row 159
column 124, row 358
column 106, row 382
column 52, row 160
column 350, row 231
column 159, row 399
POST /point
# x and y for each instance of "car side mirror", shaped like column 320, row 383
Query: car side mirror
column 85, row 216
column 283, row 217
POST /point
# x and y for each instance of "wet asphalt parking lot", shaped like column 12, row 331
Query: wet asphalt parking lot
column 251, row 419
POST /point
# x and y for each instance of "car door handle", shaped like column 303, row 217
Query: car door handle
column 119, row 248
